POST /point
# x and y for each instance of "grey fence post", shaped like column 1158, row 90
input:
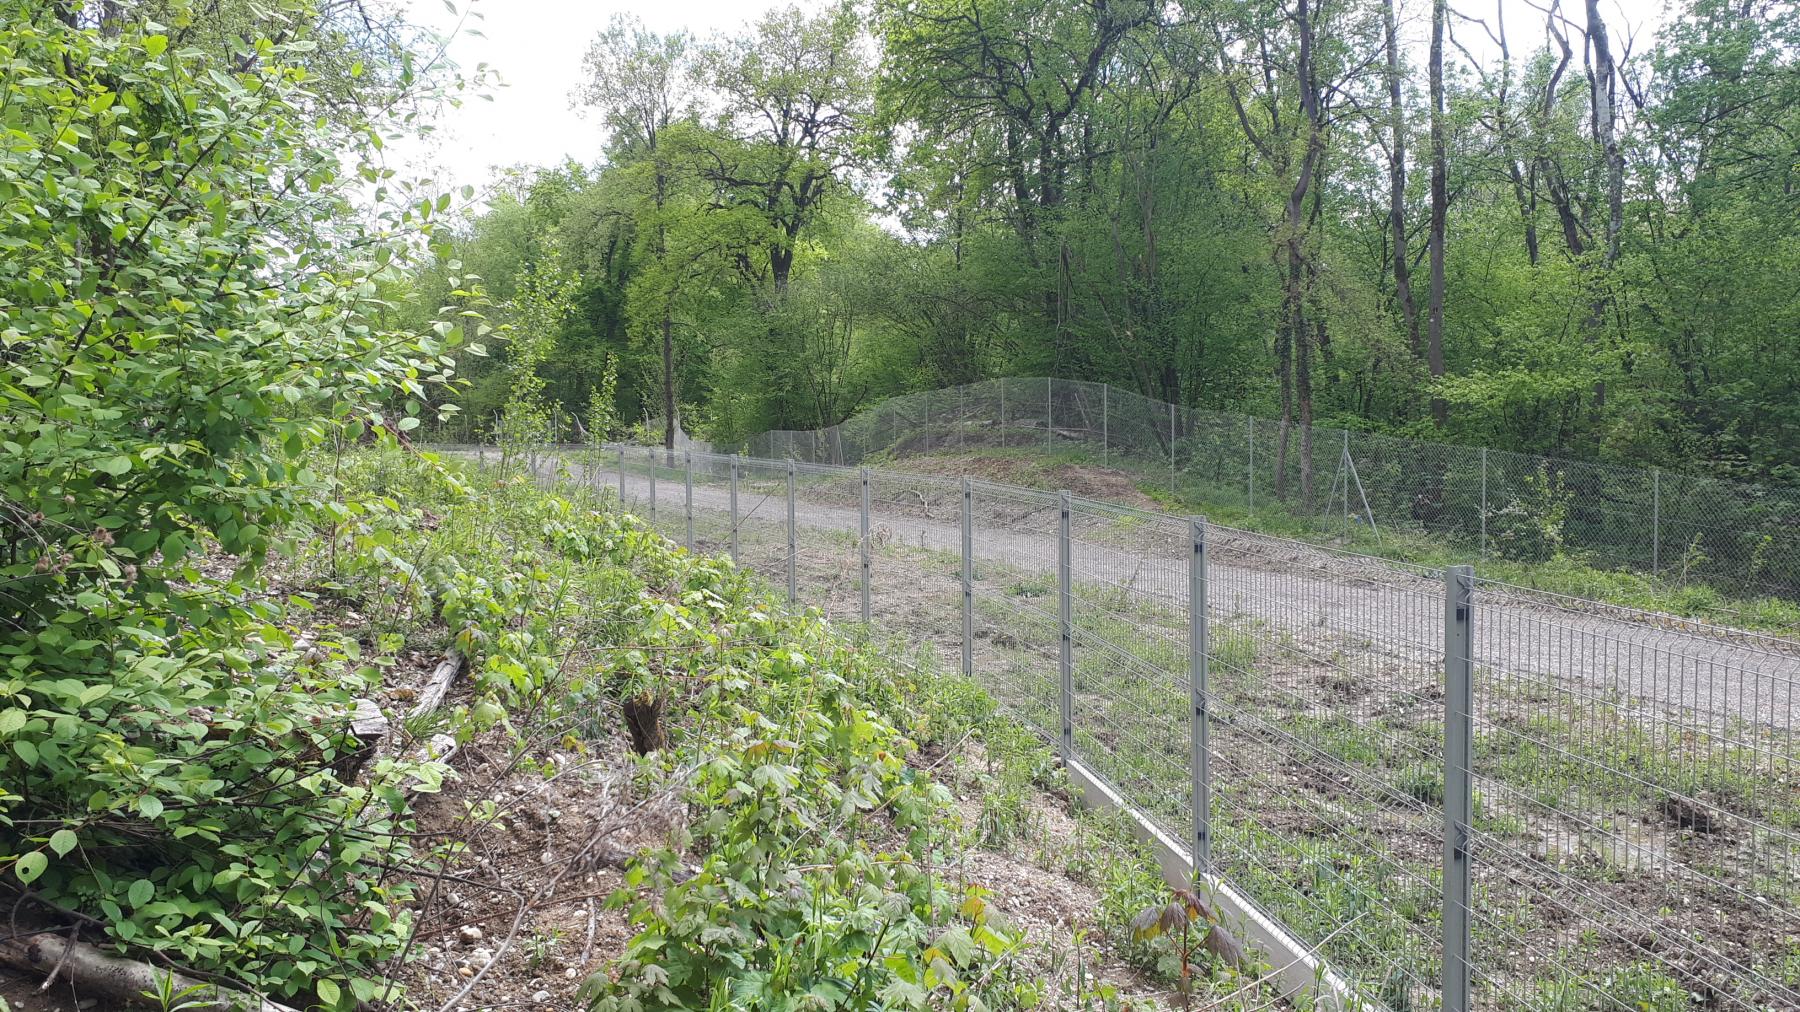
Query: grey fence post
column 1655, row 519
column 1345, row 466
column 650, row 455
column 1171, row 448
column 793, row 542
column 1250, row 427
column 962, row 413
column 1459, row 811
column 1049, row 414
column 968, row 578
column 1105, row 400
column 927, row 419
column 1002, row 383
column 1199, row 648
column 735, row 460
column 1066, row 656
column 622, row 452
column 866, row 614
column 1484, row 502
column 688, row 495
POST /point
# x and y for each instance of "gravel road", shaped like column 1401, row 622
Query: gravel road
column 1369, row 618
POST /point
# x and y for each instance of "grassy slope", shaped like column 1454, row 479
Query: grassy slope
column 808, row 869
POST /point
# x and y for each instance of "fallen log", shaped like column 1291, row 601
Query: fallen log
column 438, row 686
column 117, row 981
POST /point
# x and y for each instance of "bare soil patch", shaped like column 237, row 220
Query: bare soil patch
column 1089, row 481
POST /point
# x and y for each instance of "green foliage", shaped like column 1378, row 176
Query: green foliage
column 815, row 884
column 814, row 832
column 1101, row 198
column 191, row 304
column 540, row 303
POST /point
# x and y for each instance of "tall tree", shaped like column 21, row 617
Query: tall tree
column 642, row 83
column 1403, row 294
column 793, row 95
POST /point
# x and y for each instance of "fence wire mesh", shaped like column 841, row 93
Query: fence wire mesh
column 1633, row 827
column 1739, row 538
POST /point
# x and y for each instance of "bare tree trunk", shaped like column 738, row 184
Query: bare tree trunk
column 1409, row 310
column 1606, row 129
column 1440, row 201
column 1606, row 134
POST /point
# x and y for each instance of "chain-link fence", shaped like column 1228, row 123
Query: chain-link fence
column 1738, row 537
column 1412, row 788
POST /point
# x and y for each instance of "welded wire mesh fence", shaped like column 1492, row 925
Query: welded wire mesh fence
column 1454, row 792
column 1739, row 537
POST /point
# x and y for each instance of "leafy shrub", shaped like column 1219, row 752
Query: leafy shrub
column 187, row 308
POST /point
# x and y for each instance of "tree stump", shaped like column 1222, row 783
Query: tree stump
column 644, row 719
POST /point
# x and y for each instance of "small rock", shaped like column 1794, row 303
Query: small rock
column 468, row 934
column 570, row 973
column 541, row 996
column 465, row 971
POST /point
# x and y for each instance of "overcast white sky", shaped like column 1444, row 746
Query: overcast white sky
column 536, row 46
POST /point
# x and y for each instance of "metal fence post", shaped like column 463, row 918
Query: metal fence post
column 793, row 551
column 1459, row 811
column 1049, row 414
column 968, row 578
column 1345, row 465
column 1002, row 383
column 1484, row 502
column 688, row 495
column 1200, row 766
column 866, row 614
column 1171, row 448
column 622, row 452
column 1105, row 400
column 927, row 419
column 650, row 455
column 735, row 461
column 962, row 414
column 1655, row 519
column 1250, row 427
column 1066, row 656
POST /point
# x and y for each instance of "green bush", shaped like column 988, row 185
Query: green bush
column 188, row 306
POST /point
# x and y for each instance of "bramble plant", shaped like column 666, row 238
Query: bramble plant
column 1174, row 919
column 190, row 300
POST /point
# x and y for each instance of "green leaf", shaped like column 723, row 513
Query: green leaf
column 140, row 892
column 114, row 466
column 30, row 866
column 150, row 806
column 328, row 991
column 11, row 720
column 155, row 44
column 62, row 841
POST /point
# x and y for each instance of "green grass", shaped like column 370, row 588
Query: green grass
column 1374, row 858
